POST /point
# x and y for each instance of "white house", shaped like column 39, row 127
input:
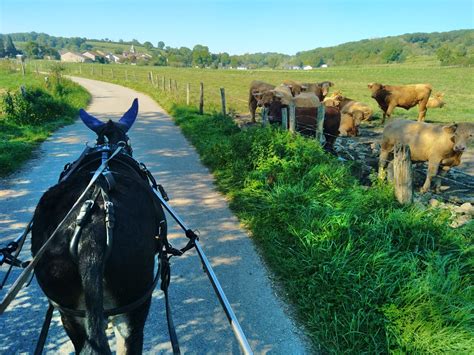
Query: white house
column 112, row 58
column 307, row 67
column 323, row 66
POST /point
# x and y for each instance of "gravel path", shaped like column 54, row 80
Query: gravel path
column 200, row 322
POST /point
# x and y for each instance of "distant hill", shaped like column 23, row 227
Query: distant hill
column 437, row 48
column 454, row 47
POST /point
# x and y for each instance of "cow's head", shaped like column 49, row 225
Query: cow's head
column 460, row 134
column 325, row 85
column 374, row 87
column 439, row 95
column 111, row 132
column 296, row 89
column 331, row 102
column 265, row 98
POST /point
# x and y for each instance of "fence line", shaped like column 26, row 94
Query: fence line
column 174, row 89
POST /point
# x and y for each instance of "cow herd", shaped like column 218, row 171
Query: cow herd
column 440, row 146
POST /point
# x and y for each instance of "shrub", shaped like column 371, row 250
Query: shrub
column 31, row 106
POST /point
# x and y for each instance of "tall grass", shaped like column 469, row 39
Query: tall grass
column 29, row 117
column 365, row 274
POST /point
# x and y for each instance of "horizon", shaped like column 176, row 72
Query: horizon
column 259, row 30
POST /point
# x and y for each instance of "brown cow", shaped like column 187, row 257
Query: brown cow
column 438, row 145
column 406, row 96
column 332, row 121
column 347, row 105
column 437, row 101
column 350, row 122
column 257, row 90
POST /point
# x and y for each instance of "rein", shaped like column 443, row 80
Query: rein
column 165, row 249
column 29, row 269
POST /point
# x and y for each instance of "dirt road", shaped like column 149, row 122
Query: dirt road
column 201, row 324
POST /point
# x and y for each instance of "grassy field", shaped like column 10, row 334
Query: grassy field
column 18, row 139
column 365, row 274
column 455, row 82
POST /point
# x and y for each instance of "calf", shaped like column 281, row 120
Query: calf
column 438, row 145
column 406, row 96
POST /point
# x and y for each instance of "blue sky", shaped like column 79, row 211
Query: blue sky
column 236, row 26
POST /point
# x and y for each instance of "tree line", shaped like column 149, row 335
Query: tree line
column 450, row 48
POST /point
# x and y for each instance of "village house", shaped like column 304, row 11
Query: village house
column 73, row 57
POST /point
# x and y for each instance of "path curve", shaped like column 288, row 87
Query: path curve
column 200, row 322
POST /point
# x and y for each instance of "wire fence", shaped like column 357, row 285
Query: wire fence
column 212, row 98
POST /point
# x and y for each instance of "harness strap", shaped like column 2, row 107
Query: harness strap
column 80, row 221
column 113, row 311
column 29, row 269
column 44, row 330
column 165, row 281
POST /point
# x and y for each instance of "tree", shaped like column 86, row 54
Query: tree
column 161, row 45
column 33, row 50
column 201, row 56
column 2, row 48
column 148, row 45
column 10, row 50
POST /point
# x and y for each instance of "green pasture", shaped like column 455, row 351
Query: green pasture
column 455, row 82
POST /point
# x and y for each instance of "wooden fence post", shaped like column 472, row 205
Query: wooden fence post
column 152, row 79
column 201, row 98
column 22, row 63
column 175, row 85
column 320, row 124
column 292, row 114
column 169, row 84
column 402, row 174
column 188, row 91
column 284, row 118
column 265, row 116
column 224, row 111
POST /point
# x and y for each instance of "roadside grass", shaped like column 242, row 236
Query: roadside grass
column 352, row 81
column 365, row 274
column 18, row 140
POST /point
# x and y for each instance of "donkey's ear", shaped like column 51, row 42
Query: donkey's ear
column 129, row 117
column 90, row 121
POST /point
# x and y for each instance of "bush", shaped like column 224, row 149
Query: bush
column 31, row 106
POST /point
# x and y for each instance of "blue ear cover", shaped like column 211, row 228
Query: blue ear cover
column 90, row 121
column 130, row 116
